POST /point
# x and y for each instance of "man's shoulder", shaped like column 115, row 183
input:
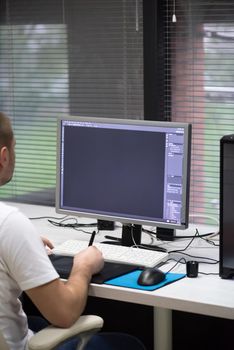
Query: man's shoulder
column 5, row 210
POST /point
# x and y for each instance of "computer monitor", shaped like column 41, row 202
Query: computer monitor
column 131, row 171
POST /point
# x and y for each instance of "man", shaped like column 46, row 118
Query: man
column 25, row 266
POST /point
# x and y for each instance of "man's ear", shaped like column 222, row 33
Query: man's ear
column 4, row 156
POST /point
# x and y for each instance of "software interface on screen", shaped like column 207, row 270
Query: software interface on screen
column 131, row 171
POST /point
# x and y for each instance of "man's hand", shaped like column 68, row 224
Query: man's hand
column 89, row 261
column 48, row 244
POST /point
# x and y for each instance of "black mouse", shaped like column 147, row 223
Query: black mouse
column 151, row 276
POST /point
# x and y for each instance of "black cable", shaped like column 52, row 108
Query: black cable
column 184, row 262
column 214, row 261
column 72, row 225
column 81, row 230
column 148, row 231
column 211, row 262
column 180, row 237
column 199, row 236
column 208, row 273
column 177, row 262
column 210, row 242
column 182, row 250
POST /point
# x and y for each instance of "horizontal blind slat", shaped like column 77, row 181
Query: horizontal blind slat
column 199, row 88
column 74, row 57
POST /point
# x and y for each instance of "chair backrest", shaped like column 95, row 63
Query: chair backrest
column 3, row 344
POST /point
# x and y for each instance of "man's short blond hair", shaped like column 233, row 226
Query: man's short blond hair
column 6, row 133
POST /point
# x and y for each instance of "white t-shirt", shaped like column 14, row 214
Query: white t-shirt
column 24, row 264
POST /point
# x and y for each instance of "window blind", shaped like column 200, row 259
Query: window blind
column 76, row 57
column 199, row 88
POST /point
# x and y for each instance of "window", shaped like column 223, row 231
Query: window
column 199, row 87
column 34, row 88
column 85, row 57
column 76, row 57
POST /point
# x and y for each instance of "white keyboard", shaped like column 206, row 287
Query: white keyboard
column 114, row 253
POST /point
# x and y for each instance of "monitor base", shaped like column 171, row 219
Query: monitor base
column 131, row 235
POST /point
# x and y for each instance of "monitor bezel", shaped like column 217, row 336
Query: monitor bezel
column 186, row 171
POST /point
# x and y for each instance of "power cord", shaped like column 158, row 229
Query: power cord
column 201, row 259
column 181, row 237
column 182, row 250
column 197, row 235
column 76, row 224
column 184, row 261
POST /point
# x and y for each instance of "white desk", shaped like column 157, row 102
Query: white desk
column 206, row 295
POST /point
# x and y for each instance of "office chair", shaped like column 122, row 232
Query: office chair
column 50, row 337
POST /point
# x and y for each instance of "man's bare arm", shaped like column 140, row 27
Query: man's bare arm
column 61, row 303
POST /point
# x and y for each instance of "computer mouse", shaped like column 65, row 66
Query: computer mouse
column 151, row 276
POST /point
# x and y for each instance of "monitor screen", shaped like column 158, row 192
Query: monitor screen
column 131, row 171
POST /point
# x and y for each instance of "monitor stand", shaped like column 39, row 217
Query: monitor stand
column 131, row 235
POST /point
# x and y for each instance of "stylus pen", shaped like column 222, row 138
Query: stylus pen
column 92, row 238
